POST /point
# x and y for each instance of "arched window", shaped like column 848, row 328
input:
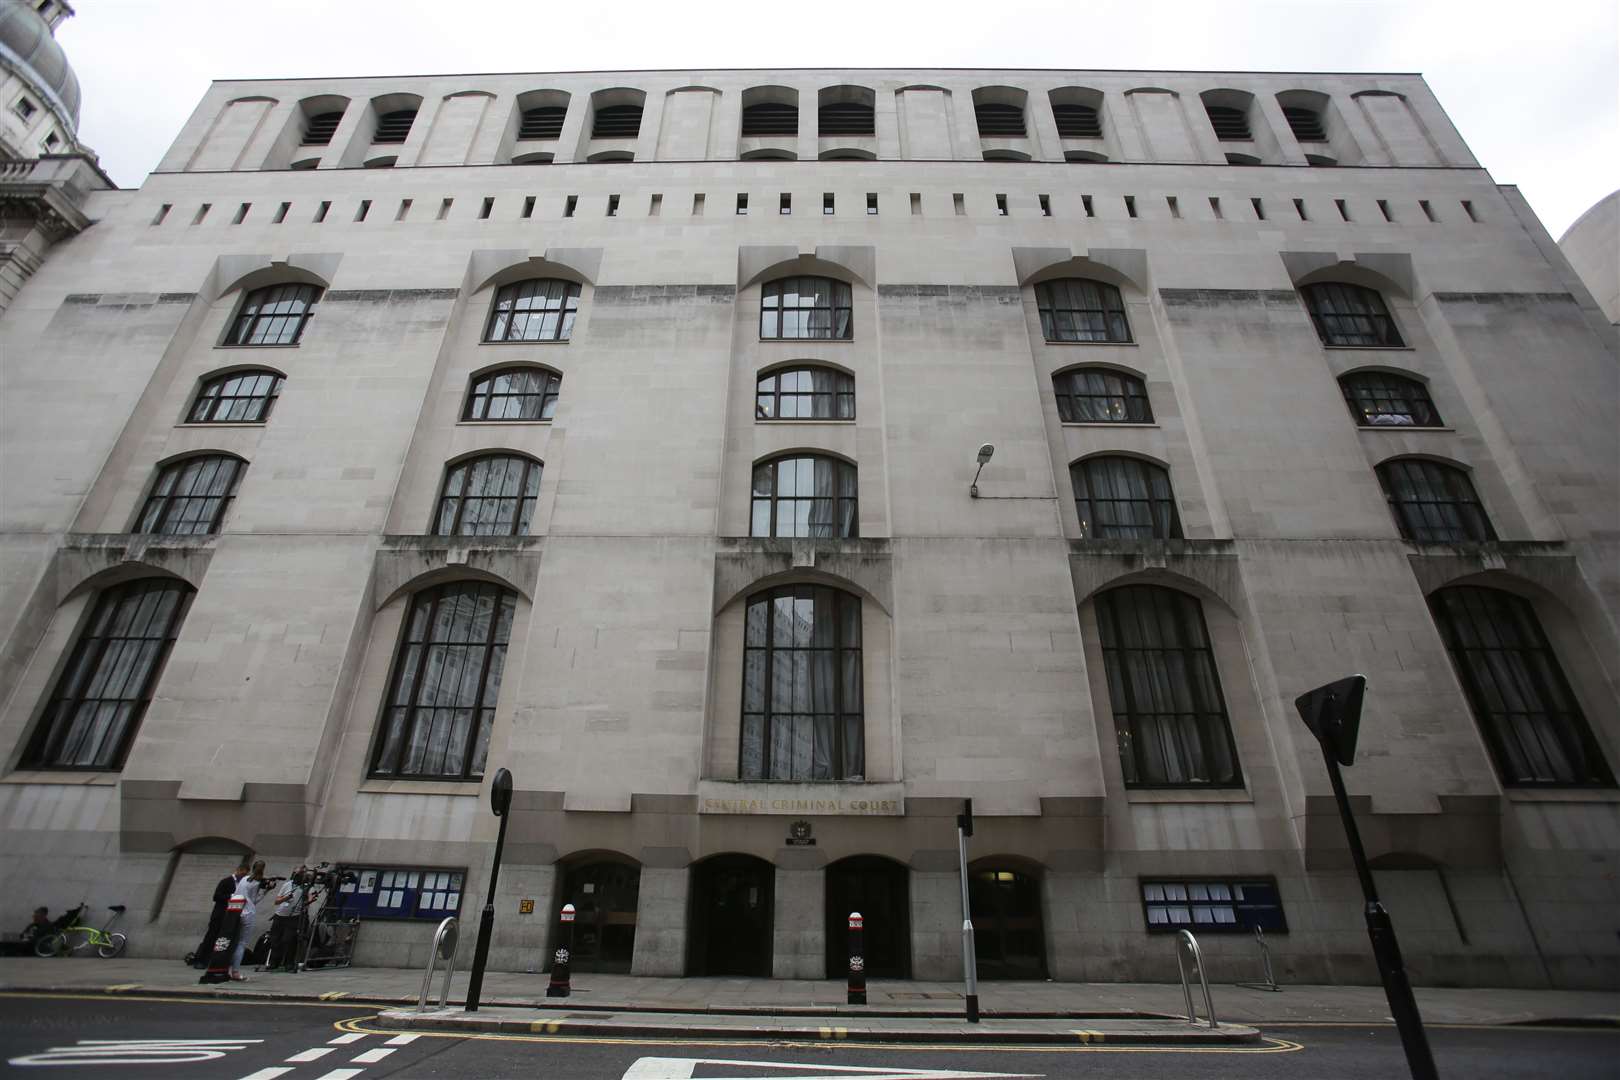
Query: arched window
column 1230, row 124
column 805, row 308
column 1434, row 503
column 492, row 495
column 808, row 495
column 513, row 393
column 1101, row 396
column 770, row 118
column 1077, row 121
column 805, row 393
column 107, row 683
column 1517, row 690
column 446, row 681
column 1306, row 124
column 1353, row 315
column 540, row 309
column 845, row 118
column 544, row 122
column 190, row 496
column 320, row 128
column 273, row 315
column 241, row 397
column 999, row 121
column 1380, row 399
column 394, row 127
column 1124, row 498
column 1079, row 309
column 802, row 715
column 1169, row 714
column 616, row 122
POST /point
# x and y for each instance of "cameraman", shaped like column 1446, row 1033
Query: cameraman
column 292, row 897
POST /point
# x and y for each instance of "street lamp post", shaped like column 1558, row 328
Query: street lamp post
column 970, row 962
column 500, row 799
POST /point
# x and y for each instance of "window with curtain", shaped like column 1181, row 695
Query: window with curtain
column 1169, row 714
column 1381, row 399
column 1101, row 396
column 805, row 308
column 541, row 309
column 1078, row 309
column 273, row 315
column 445, row 684
column 1124, row 498
column 242, row 397
column 802, row 715
column 809, row 495
column 492, row 495
column 1536, row 731
column 190, row 496
column 1434, row 503
column 805, row 393
column 1347, row 314
column 102, row 694
column 514, row 393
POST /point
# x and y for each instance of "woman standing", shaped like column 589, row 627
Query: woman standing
column 252, row 889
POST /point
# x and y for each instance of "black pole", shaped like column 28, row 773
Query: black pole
column 857, row 960
column 500, row 797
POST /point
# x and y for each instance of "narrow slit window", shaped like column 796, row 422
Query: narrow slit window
column 742, row 205
column 322, row 210
column 1001, row 205
column 655, row 205
column 1259, row 209
column 528, row 206
column 1215, row 208
column 1046, row 205
column 613, row 206
column 1383, row 208
column 444, row 208
column 697, row 205
column 1428, row 211
column 570, row 204
column 1299, row 208
column 916, row 203
column 163, row 212
column 202, row 212
column 1344, row 209
column 959, row 204
column 784, row 204
column 1468, row 208
column 1130, row 206
column 241, row 213
column 827, row 203
column 871, row 202
column 1085, row 202
column 281, row 213
column 404, row 210
column 485, row 209
column 1174, row 207
column 365, row 208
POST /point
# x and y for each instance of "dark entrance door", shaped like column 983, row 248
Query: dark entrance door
column 604, row 895
column 880, row 889
column 733, row 902
column 1009, row 941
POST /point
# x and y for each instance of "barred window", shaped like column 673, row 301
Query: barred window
column 998, row 121
column 845, row 118
column 1077, row 121
column 541, row 309
column 513, row 393
column 394, row 127
column 1124, row 498
column 1169, row 714
column 616, row 122
column 190, row 496
column 1534, row 726
column 802, row 716
column 273, row 315
column 1214, row 907
column 102, row 694
column 242, row 397
column 1306, row 124
column 1230, row 124
column 805, row 308
column 544, row 122
column 1434, row 503
column 1347, row 314
column 320, row 128
column 492, row 495
column 1078, row 309
column 1101, row 396
column 805, row 393
column 770, row 118
column 1380, row 399
column 445, row 684
column 805, row 496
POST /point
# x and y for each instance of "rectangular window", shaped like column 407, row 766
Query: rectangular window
column 24, row 108
column 1259, row 209
column 1217, row 907
column 697, row 205
column 383, row 892
column 1130, row 206
column 871, row 202
column 1174, row 207
column 1001, row 206
column 241, row 213
column 1428, row 211
column 444, row 208
column 1299, row 208
column 1383, row 208
column 528, row 206
column 1085, row 203
column 742, row 205
column 281, row 213
column 1215, row 208
column 613, row 206
column 916, row 203
column 202, row 212
column 322, row 210
column 784, row 203
column 365, row 208
column 570, row 204
column 1468, row 208
column 486, row 209
column 1046, row 205
column 404, row 210
column 1344, row 209
column 163, row 212
column 827, row 203
column 655, row 206
column 959, row 204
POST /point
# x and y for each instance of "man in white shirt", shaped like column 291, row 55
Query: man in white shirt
column 284, row 927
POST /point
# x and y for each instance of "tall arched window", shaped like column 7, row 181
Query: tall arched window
column 1079, row 309
column 241, row 397
column 805, row 393
column 805, row 495
column 1351, row 315
column 540, row 309
column 1169, row 714
column 1434, row 503
column 190, row 496
column 273, row 315
column 1124, row 498
column 446, row 680
column 513, row 393
column 1534, row 726
column 102, row 694
column 492, row 495
column 1381, row 399
column 805, row 308
column 802, row 706
column 1101, row 396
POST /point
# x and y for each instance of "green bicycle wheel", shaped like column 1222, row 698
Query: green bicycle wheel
column 112, row 946
column 49, row 945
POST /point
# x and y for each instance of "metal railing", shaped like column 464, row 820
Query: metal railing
column 1187, row 945
column 444, row 948
column 1270, row 979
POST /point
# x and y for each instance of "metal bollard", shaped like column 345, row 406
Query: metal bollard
column 857, row 960
column 560, row 986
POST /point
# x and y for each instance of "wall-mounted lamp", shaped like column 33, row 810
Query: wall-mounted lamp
column 986, row 452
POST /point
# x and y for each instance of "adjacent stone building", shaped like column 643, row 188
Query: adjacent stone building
column 622, row 429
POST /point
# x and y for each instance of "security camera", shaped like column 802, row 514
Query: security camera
column 986, row 452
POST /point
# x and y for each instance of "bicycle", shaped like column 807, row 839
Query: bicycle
column 78, row 937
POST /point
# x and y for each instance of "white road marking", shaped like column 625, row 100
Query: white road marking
column 268, row 1074
column 402, row 1040
column 371, row 1056
column 344, row 1040
column 309, row 1055
column 341, row 1074
column 135, row 1052
column 682, row 1068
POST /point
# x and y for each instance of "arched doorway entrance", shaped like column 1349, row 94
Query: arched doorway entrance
column 733, row 904
column 880, row 889
column 1009, row 939
column 604, row 889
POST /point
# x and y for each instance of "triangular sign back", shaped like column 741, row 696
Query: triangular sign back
column 1333, row 713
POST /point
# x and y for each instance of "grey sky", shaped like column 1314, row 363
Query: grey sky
column 1532, row 86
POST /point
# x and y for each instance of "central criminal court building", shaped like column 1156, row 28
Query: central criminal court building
column 621, row 429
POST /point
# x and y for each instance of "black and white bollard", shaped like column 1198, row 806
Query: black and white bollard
column 560, row 986
column 857, row 960
column 224, row 943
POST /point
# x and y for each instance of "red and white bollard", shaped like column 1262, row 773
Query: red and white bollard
column 560, row 986
column 857, row 960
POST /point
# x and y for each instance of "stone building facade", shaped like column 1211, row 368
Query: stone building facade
column 620, row 429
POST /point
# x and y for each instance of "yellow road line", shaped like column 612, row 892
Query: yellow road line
column 119, row 988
